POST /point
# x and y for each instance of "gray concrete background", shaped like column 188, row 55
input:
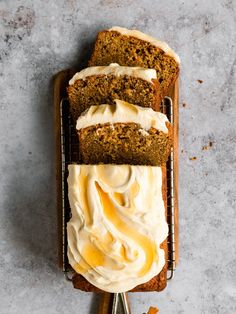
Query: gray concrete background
column 40, row 38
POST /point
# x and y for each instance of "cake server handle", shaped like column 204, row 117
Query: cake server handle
column 116, row 303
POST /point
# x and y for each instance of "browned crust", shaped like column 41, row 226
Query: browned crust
column 157, row 100
column 157, row 283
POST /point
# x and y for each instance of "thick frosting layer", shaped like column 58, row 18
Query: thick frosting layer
column 117, row 225
column 123, row 112
column 155, row 42
column 116, row 70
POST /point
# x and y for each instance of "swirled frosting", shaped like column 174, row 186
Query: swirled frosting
column 123, row 112
column 116, row 70
column 117, row 225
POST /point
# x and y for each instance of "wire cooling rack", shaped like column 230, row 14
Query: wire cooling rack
column 70, row 154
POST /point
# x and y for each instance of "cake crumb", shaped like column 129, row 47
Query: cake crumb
column 184, row 104
column 206, row 147
column 193, row 158
column 200, row 81
column 182, row 151
column 153, row 310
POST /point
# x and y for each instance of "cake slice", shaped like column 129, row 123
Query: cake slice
column 134, row 48
column 118, row 225
column 102, row 84
column 124, row 133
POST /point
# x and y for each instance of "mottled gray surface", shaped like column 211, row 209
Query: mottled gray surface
column 39, row 38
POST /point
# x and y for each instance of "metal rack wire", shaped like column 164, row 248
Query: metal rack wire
column 70, row 154
column 167, row 108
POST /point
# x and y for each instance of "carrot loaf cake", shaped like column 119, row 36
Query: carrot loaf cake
column 102, row 84
column 134, row 48
column 114, row 241
column 124, row 133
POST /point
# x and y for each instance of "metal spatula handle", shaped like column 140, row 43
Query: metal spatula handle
column 116, row 303
column 120, row 304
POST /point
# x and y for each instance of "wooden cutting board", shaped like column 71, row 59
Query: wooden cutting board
column 60, row 83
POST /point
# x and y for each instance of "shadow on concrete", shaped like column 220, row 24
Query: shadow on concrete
column 95, row 303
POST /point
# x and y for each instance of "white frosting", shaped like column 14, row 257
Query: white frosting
column 118, row 223
column 116, row 70
column 155, row 42
column 123, row 112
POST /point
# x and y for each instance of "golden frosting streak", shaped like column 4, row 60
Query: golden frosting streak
column 112, row 215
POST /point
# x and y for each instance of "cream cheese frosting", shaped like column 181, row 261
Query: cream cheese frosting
column 155, row 42
column 118, row 223
column 116, row 70
column 123, row 112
